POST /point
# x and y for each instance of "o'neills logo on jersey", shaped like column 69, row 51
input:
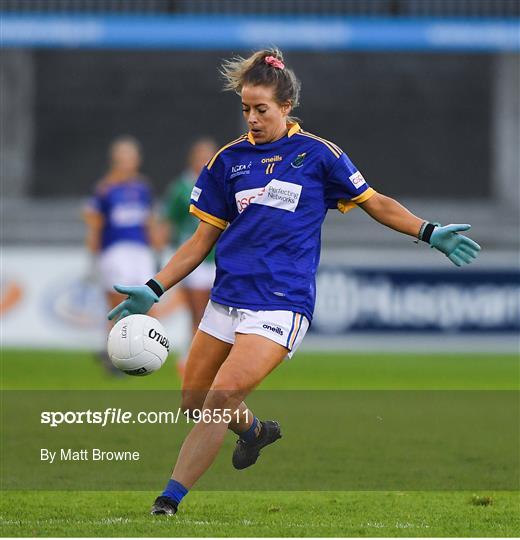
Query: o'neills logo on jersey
column 273, row 159
column 278, row 194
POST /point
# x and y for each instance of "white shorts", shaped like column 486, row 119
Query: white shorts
column 201, row 278
column 126, row 263
column 284, row 327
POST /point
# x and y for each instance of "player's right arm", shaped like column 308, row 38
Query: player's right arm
column 209, row 204
column 142, row 297
column 189, row 255
column 94, row 221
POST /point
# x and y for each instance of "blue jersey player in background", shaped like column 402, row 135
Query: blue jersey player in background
column 262, row 200
column 120, row 222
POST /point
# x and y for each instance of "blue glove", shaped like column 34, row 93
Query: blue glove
column 140, row 299
column 459, row 249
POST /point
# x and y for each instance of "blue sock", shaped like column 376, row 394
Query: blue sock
column 175, row 490
column 250, row 435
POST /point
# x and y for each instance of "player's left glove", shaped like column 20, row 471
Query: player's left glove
column 459, row 249
column 140, row 299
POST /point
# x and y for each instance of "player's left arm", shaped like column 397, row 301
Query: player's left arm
column 458, row 248
column 389, row 212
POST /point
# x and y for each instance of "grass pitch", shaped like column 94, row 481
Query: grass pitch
column 314, row 514
column 69, row 370
column 263, row 513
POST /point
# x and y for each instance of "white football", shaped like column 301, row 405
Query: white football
column 138, row 345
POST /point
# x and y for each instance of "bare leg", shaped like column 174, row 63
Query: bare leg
column 206, row 356
column 233, row 382
column 197, row 300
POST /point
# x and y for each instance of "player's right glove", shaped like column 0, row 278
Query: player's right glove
column 140, row 299
column 459, row 249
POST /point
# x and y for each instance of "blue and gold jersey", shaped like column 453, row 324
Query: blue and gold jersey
column 270, row 200
column 126, row 208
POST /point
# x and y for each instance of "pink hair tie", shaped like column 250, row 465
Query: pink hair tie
column 275, row 62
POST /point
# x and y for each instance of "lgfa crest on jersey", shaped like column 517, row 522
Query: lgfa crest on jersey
column 298, row 160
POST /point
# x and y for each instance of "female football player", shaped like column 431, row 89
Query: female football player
column 120, row 222
column 263, row 197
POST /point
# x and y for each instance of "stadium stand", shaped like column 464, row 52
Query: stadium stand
column 388, row 8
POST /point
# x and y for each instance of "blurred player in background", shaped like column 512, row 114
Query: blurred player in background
column 196, row 287
column 264, row 197
column 121, row 224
